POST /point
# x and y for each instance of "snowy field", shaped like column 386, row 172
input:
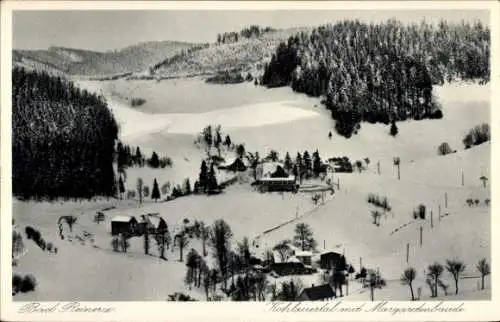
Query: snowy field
column 285, row 123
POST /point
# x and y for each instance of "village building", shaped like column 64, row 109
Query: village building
column 329, row 260
column 317, row 293
column 233, row 164
column 305, row 257
column 124, row 225
column 271, row 176
column 153, row 223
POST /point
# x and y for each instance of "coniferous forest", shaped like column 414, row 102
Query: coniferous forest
column 380, row 72
column 62, row 139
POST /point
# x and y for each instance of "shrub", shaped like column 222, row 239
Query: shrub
column 115, row 243
column 444, row 149
column 28, row 283
column 394, row 129
column 421, row 211
column 145, row 191
column 32, row 233
column 137, row 101
column 16, row 283
column 477, row 135
column 50, row 246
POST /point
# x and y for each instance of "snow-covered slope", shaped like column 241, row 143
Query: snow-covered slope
column 343, row 223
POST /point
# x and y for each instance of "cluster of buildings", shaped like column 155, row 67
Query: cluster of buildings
column 152, row 223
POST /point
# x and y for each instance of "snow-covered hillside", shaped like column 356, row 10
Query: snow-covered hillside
column 343, row 223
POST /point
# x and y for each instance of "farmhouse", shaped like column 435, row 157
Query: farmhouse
column 331, row 259
column 277, row 184
column 317, row 293
column 124, row 225
column 234, row 164
column 153, row 223
column 305, row 257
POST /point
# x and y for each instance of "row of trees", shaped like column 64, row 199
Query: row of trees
column 253, row 31
column 435, row 272
column 63, row 139
column 379, row 72
column 126, row 158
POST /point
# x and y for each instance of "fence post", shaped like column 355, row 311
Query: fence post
column 421, row 235
column 407, row 252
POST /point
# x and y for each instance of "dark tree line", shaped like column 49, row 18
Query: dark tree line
column 128, row 157
column 178, row 57
column 253, row 31
column 379, row 72
column 63, row 139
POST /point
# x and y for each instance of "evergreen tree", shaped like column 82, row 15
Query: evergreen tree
column 138, row 157
column 212, row 180
column 240, row 151
column 288, row 162
column 121, row 187
column 394, row 129
column 154, row 162
column 227, row 141
column 187, row 187
column 307, row 164
column 203, row 177
column 155, row 194
column 316, row 163
column 304, row 237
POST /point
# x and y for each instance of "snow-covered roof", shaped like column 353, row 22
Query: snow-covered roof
column 155, row 220
column 293, row 259
column 228, row 161
column 122, row 218
column 290, row 178
column 303, row 253
column 270, row 167
column 152, row 220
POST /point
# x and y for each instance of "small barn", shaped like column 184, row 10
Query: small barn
column 317, row 293
column 235, row 165
column 332, row 259
column 124, row 225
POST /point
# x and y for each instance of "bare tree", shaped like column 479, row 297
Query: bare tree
column 407, row 278
column 397, row 163
column 375, row 281
column 484, row 180
column 283, row 250
column 220, row 238
column 376, row 217
column 139, row 186
column 435, row 272
column 456, row 267
column 205, row 235
column 484, row 268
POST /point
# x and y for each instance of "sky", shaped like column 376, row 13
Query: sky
column 109, row 30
